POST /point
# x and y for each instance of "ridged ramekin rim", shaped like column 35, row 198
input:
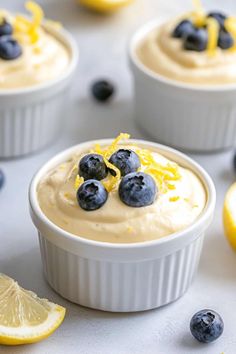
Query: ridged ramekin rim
column 71, row 44
column 134, row 60
column 202, row 219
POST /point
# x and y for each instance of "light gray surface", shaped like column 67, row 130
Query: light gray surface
column 103, row 41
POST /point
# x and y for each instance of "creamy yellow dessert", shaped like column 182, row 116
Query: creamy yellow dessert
column 29, row 54
column 144, row 196
column 198, row 48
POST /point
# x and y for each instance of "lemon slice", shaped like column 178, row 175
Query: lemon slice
column 229, row 215
column 24, row 317
column 104, row 5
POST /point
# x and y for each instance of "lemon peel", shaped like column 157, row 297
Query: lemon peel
column 198, row 15
column 78, row 181
column 109, row 150
column 162, row 174
column 28, row 30
column 36, row 11
column 174, row 199
column 213, row 35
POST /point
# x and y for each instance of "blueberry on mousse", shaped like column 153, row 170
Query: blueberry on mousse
column 102, row 90
column 196, row 40
column 92, row 166
column 9, row 48
column 91, row 195
column 125, row 160
column 137, row 189
column 206, row 326
column 5, row 28
column 225, row 40
column 183, row 29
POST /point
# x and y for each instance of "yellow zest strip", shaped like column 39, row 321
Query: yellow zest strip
column 28, row 30
column 174, row 199
column 213, row 34
column 198, row 19
column 162, row 174
column 108, row 151
column 198, row 16
column 112, row 181
column 36, row 11
column 171, row 186
column 78, row 181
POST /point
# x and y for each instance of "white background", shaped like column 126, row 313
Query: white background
column 103, row 41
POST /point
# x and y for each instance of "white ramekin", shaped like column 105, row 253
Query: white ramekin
column 31, row 117
column 189, row 117
column 121, row 277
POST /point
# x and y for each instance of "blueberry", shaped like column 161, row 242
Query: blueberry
column 9, row 48
column 5, row 28
column 225, row 40
column 91, row 195
column 206, row 326
column 137, row 189
column 184, row 28
column 125, row 160
column 196, row 40
column 92, row 166
column 102, row 90
column 2, row 179
column 219, row 17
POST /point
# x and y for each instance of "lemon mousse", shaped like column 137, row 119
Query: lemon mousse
column 121, row 193
column 29, row 53
column 196, row 48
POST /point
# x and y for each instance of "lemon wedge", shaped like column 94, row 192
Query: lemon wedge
column 24, row 317
column 104, row 5
column 229, row 215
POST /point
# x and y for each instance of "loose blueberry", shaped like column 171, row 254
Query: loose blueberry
column 91, row 195
column 9, row 48
column 2, row 179
column 184, row 28
column 137, row 189
column 196, row 40
column 5, row 28
column 206, row 326
column 102, row 90
column 219, row 17
column 92, row 166
column 125, row 160
column 225, row 40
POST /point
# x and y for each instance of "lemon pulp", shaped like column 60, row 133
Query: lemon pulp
column 229, row 215
column 24, row 317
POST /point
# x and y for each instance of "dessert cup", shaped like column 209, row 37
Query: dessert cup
column 31, row 117
column 121, row 277
column 187, row 116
